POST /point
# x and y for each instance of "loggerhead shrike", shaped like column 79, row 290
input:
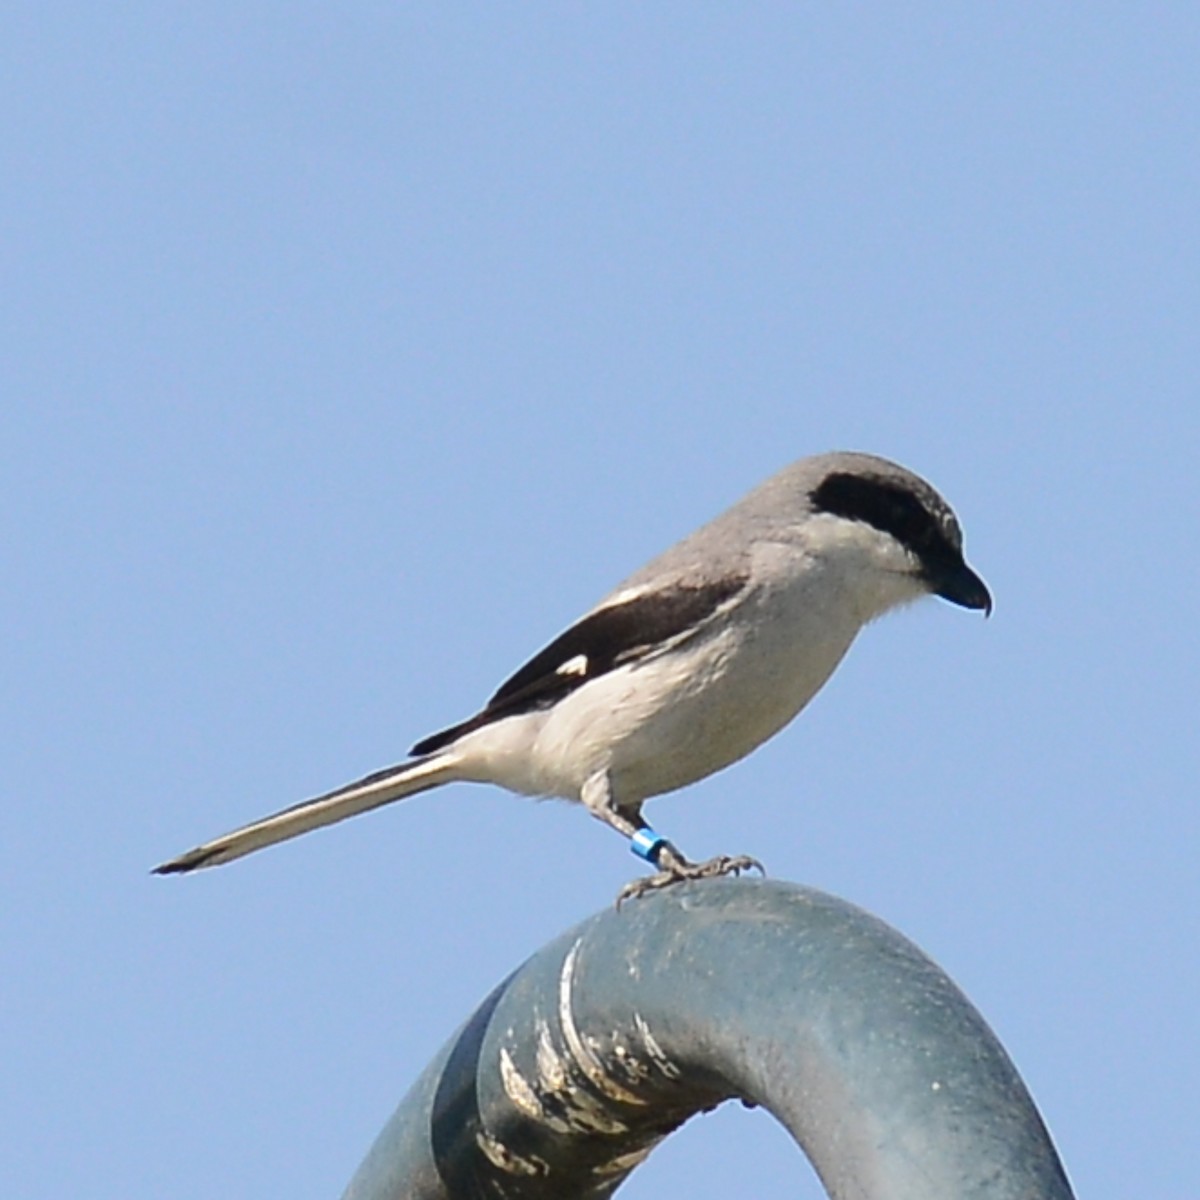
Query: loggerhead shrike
column 688, row 665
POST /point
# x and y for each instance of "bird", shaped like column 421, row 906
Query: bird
column 687, row 666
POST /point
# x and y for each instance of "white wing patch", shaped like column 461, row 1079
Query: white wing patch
column 574, row 666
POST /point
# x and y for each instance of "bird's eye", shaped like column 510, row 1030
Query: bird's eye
column 918, row 529
column 907, row 521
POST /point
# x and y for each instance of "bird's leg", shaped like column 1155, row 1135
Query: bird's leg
column 598, row 799
column 672, row 866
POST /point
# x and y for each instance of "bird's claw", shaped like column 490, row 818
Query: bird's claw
column 674, row 868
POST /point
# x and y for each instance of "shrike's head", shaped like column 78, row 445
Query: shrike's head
column 891, row 528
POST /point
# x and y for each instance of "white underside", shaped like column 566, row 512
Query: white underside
column 684, row 713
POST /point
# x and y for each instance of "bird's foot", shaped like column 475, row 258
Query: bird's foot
column 674, row 868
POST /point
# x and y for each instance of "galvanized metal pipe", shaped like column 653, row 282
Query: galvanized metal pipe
column 580, row 1062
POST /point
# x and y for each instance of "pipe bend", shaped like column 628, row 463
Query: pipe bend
column 612, row 1035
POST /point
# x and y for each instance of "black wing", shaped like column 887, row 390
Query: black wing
column 607, row 638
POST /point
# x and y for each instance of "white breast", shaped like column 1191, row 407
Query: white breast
column 678, row 716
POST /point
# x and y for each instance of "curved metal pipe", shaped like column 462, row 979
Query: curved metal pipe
column 610, row 1037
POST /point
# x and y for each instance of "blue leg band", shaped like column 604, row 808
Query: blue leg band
column 646, row 844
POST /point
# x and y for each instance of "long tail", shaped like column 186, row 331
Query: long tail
column 379, row 788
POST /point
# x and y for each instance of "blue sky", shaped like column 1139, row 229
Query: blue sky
column 350, row 352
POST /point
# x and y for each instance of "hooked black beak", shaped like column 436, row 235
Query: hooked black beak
column 957, row 583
